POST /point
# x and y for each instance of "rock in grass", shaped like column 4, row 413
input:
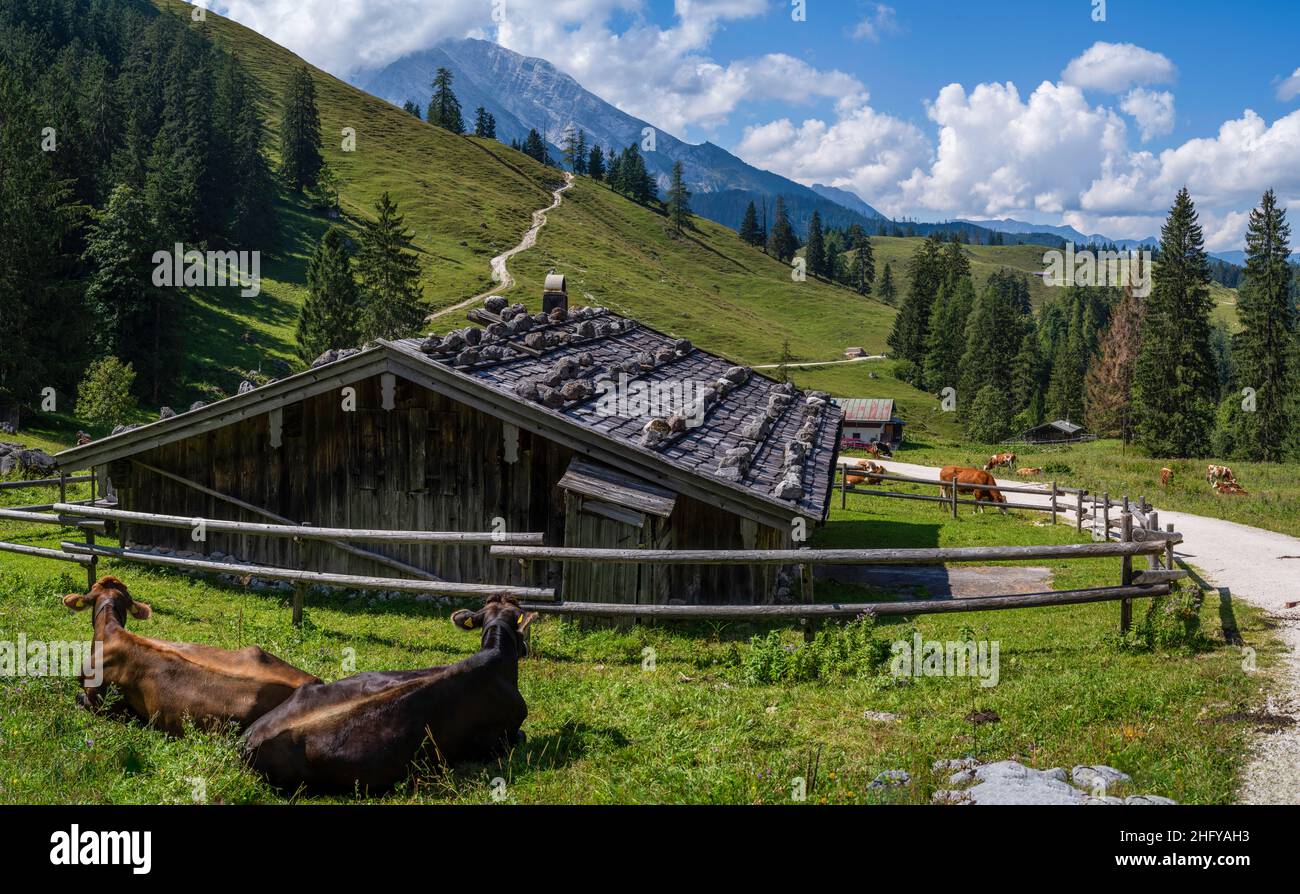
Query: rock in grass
column 1010, row 782
column 1091, row 777
column 1148, row 799
column 890, row 779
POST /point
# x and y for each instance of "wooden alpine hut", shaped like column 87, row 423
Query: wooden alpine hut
column 582, row 424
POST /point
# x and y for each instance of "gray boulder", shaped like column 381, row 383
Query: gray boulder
column 1010, row 782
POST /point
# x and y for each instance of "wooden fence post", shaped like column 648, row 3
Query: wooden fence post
column 1126, row 573
column 299, row 597
column 954, row 495
column 807, row 595
column 63, row 486
column 1053, row 503
column 1153, row 524
column 91, row 568
column 1169, row 548
column 844, row 488
column 1078, row 513
column 1105, row 515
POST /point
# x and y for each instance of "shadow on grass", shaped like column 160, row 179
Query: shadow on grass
column 1227, row 617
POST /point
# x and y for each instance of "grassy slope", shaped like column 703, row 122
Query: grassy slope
column 602, row 729
column 467, row 200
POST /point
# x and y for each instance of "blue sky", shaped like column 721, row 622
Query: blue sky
column 928, row 109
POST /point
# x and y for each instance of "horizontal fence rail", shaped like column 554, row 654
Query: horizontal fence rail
column 931, row 556
column 42, row 553
column 30, row 516
column 850, row 609
column 339, row 581
column 302, row 532
column 45, row 482
column 1041, row 491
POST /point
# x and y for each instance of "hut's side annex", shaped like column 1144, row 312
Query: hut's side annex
column 551, row 422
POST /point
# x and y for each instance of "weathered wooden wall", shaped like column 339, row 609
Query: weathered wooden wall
column 428, row 464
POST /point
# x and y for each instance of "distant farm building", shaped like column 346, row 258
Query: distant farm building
column 1058, row 432
column 528, row 424
column 869, row 419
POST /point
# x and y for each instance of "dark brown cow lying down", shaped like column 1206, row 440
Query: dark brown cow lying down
column 162, row 682
column 363, row 732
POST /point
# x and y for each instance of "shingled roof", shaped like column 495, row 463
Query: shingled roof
column 764, row 436
column 756, row 438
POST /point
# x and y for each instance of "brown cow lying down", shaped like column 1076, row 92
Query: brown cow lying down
column 862, row 471
column 968, row 481
column 162, row 683
column 363, row 732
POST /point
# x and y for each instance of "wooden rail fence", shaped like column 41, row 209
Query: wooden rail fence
column 1138, row 530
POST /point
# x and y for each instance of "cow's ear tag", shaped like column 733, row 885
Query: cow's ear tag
column 469, row 622
column 519, row 620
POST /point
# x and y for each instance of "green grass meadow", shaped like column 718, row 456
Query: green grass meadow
column 702, row 722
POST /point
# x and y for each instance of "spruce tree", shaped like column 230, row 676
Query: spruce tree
column 535, row 147
column 908, row 338
column 412, row 107
column 887, row 291
column 862, row 273
column 815, row 251
column 749, row 226
column 596, row 164
column 1265, row 348
column 580, row 153
column 782, row 244
column 1027, row 381
column 994, row 331
column 1175, row 388
column 120, row 292
column 300, row 141
column 444, row 107
column 946, row 336
column 679, row 199
column 393, row 302
column 485, row 125
column 330, row 316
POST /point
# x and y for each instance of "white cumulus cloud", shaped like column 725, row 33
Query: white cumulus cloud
column 1115, row 67
column 1289, row 88
column 863, row 151
column 1153, row 111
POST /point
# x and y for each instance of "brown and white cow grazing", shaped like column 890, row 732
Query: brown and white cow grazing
column 365, row 731
column 970, row 481
column 1219, row 473
column 163, row 682
column 1000, row 459
column 1166, row 476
